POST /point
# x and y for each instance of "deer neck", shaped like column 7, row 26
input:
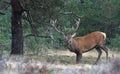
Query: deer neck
column 70, row 45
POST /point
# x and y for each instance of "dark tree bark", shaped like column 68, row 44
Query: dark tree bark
column 17, row 30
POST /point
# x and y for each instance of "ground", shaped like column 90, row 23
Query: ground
column 56, row 62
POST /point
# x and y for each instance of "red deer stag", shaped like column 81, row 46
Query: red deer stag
column 85, row 43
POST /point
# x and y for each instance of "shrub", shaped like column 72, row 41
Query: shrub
column 115, row 42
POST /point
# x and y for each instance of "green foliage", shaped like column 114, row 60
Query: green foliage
column 103, row 15
column 95, row 15
column 115, row 43
column 5, row 31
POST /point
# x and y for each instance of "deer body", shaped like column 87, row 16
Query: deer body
column 85, row 43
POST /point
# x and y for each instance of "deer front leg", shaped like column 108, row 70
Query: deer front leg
column 78, row 56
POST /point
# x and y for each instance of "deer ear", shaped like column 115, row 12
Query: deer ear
column 73, row 34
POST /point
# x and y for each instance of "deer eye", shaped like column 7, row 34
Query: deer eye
column 70, row 41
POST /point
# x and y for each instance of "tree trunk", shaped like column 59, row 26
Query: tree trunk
column 17, row 31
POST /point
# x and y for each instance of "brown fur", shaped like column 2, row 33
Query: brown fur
column 89, row 41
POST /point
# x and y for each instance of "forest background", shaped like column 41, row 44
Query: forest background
column 38, row 34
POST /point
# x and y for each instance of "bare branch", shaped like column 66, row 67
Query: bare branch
column 32, row 25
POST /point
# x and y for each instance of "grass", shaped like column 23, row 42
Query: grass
column 64, row 59
column 57, row 62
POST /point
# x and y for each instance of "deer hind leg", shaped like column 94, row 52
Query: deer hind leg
column 106, row 51
column 78, row 56
column 99, row 54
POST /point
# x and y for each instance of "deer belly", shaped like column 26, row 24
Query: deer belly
column 85, row 50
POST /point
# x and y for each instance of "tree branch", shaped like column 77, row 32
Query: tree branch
column 4, row 7
column 69, row 13
column 29, row 18
column 36, row 36
column 1, row 13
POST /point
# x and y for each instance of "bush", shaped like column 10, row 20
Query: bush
column 115, row 43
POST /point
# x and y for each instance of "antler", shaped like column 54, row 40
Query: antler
column 53, row 23
column 77, row 23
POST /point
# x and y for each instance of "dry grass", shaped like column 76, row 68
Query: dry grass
column 59, row 62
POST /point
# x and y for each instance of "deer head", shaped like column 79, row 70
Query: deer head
column 68, row 37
